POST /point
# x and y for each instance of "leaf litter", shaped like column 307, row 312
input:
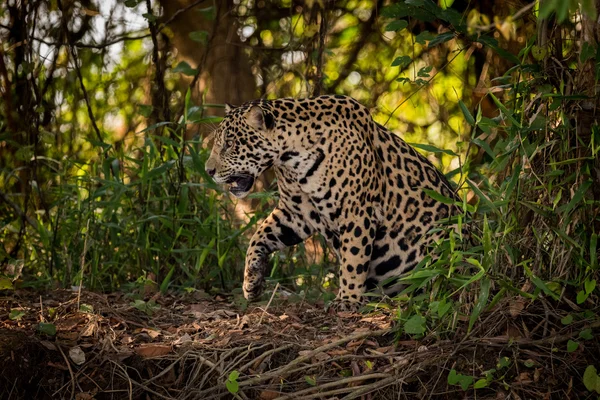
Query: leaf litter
column 194, row 347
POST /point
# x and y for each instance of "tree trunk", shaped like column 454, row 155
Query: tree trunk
column 226, row 75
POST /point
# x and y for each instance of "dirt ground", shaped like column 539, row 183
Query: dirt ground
column 192, row 347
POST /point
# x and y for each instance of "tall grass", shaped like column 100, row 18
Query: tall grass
column 534, row 217
column 152, row 212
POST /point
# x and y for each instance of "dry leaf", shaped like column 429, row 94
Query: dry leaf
column 77, row 355
column 71, row 323
column 126, row 339
column 223, row 342
column 153, row 350
column 382, row 350
column 321, row 357
column 183, row 339
column 524, row 378
column 88, row 330
column 151, row 332
column 48, row 345
column 513, row 332
column 340, row 352
column 516, row 306
column 377, row 318
column 408, row 343
column 245, row 322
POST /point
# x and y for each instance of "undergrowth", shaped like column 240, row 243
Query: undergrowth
column 151, row 216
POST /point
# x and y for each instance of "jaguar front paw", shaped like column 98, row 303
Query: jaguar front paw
column 343, row 305
column 253, row 289
column 254, row 281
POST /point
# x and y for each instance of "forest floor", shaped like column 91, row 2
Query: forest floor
column 192, row 347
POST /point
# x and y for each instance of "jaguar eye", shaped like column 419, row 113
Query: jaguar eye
column 229, row 144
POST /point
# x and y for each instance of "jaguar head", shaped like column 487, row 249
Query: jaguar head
column 243, row 147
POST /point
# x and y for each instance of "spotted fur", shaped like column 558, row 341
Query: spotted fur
column 339, row 174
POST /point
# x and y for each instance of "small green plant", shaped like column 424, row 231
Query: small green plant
column 464, row 381
column 232, row 383
column 572, row 346
column 46, row 328
column 311, row 380
column 147, row 307
column 16, row 314
column 591, row 380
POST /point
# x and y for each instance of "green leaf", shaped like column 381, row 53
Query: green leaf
column 424, row 36
column 149, row 17
column 468, row 116
column 433, row 149
column 424, row 72
column 484, row 293
column 16, row 315
column 199, row 36
column 591, row 380
column 208, row 12
column 396, row 25
column 145, row 110
column 586, row 334
column 86, row 308
column 232, row 386
column 581, row 296
column 480, row 384
column 493, row 44
column 439, row 197
column 185, row 69
column 590, row 285
column 452, row 377
column 572, row 346
column 165, row 283
column 48, row 329
column 566, row 320
column 505, row 111
column 539, row 283
column 311, row 380
column 5, row 283
column 415, row 325
column 234, row 375
column 441, row 38
column 587, row 51
column 503, row 362
column 465, row 381
column 401, row 62
column 538, row 52
column 588, row 7
column 577, row 197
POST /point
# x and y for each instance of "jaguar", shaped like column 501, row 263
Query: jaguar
column 339, row 174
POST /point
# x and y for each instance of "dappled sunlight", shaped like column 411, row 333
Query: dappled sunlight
column 122, row 260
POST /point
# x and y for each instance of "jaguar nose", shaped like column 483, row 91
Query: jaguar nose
column 211, row 171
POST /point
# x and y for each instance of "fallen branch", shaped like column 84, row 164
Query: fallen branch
column 339, row 382
column 283, row 371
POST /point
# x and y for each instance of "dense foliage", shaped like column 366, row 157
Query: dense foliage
column 104, row 107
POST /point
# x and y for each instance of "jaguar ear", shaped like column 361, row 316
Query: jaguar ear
column 259, row 119
column 228, row 108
